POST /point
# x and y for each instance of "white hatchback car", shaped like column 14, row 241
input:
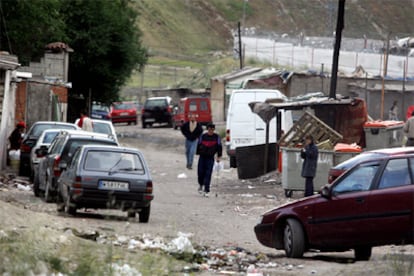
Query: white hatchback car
column 103, row 126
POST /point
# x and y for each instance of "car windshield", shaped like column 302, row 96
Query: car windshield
column 114, row 162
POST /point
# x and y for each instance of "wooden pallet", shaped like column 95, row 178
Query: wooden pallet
column 309, row 124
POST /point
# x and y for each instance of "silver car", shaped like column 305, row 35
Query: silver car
column 106, row 177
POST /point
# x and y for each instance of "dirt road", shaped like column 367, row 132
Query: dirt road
column 221, row 221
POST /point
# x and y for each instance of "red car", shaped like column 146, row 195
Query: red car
column 124, row 112
column 339, row 169
column 370, row 205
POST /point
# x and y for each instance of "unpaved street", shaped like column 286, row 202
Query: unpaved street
column 225, row 219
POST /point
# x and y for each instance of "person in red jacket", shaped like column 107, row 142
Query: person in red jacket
column 209, row 144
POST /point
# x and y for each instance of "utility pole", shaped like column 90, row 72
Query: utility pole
column 338, row 37
column 240, row 48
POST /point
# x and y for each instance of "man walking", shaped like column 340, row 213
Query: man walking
column 208, row 146
column 191, row 131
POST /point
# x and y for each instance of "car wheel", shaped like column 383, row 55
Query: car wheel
column 233, row 163
column 144, row 125
column 31, row 177
column 70, row 207
column 363, row 253
column 288, row 193
column 36, row 189
column 144, row 214
column 48, row 191
column 293, row 239
column 131, row 214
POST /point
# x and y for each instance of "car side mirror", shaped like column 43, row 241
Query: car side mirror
column 326, row 192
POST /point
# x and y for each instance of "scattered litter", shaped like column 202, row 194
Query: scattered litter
column 23, row 187
column 125, row 269
column 250, row 187
column 182, row 175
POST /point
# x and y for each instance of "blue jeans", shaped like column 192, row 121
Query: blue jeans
column 204, row 170
column 190, row 150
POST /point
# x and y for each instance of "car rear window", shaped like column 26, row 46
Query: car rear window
column 102, row 128
column 114, row 161
column 157, row 102
column 38, row 129
column 48, row 138
column 73, row 145
column 123, row 106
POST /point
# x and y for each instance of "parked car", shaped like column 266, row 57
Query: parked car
column 370, row 205
column 103, row 126
column 100, row 111
column 30, row 139
column 61, row 149
column 339, row 169
column 200, row 106
column 124, row 112
column 43, row 142
column 157, row 110
column 106, row 177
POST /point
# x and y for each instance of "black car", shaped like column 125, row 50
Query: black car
column 30, row 139
column 157, row 110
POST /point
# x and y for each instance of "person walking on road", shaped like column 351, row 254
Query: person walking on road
column 409, row 130
column 191, row 131
column 85, row 122
column 209, row 144
column 310, row 155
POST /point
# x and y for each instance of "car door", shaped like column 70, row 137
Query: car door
column 391, row 203
column 342, row 218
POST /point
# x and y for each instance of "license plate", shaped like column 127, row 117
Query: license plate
column 150, row 120
column 242, row 141
column 124, row 113
column 97, row 116
column 113, row 185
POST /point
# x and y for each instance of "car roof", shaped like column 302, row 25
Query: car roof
column 393, row 151
column 109, row 147
column 160, row 98
column 83, row 133
column 374, row 155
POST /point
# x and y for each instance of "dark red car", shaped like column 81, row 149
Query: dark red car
column 370, row 205
column 124, row 112
column 339, row 169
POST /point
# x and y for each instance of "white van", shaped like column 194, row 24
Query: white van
column 245, row 128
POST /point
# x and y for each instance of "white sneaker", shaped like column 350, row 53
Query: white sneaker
column 206, row 194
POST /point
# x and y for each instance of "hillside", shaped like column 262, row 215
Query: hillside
column 197, row 34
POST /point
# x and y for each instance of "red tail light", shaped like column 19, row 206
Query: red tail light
column 149, row 187
column 25, row 148
column 228, row 135
column 78, row 182
column 56, row 169
column 169, row 109
column 143, row 111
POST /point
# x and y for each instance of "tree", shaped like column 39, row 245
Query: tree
column 27, row 26
column 106, row 43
